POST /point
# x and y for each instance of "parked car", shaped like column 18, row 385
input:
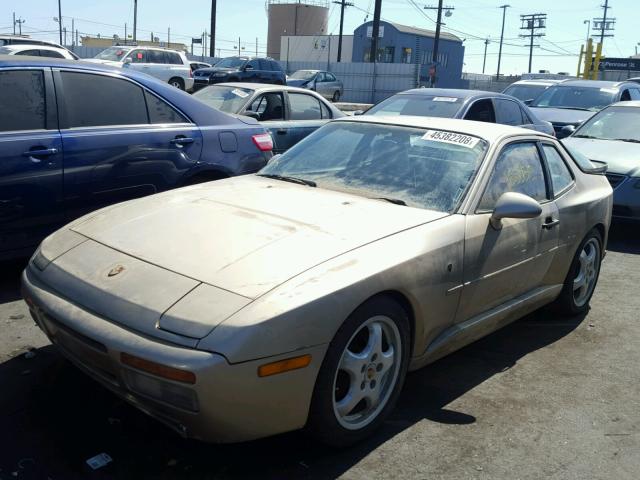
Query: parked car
column 613, row 136
column 198, row 65
column 37, row 51
column 463, row 104
column 568, row 104
column 241, row 69
column 170, row 66
column 633, row 79
column 121, row 134
column 27, row 40
column 301, row 296
column 325, row 83
column 528, row 90
column 289, row 113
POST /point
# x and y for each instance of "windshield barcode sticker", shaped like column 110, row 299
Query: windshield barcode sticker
column 445, row 99
column 239, row 93
column 450, row 137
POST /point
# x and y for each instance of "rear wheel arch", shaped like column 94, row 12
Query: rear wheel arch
column 603, row 234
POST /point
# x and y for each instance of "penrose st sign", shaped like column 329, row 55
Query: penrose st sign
column 619, row 64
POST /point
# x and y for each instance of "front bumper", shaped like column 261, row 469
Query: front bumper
column 626, row 197
column 232, row 403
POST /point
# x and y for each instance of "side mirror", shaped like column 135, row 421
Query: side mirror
column 127, row 61
column 358, row 112
column 528, row 101
column 251, row 114
column 566, row 131
column 248, row 68
column 514, row 205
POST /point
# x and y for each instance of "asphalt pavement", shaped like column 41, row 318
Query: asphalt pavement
column 546, row 397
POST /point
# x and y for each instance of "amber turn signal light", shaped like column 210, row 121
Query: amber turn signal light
column 284, row 365
column 158, row 369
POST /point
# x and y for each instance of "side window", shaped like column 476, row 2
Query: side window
column 304, row 107
column 560, row 175
column 635, row 93
column 30, row 53
column 51, row 54
column 139, row 56
column 321, row 77
column 481, row 111
column 625, row 95
column 264, row 65
column 22, row 93
column 275, row 66
column 161, row 112
column 155, row 56
column 326, row 113
column 508, row 112
column 330, row 77
column 95, row 100
column 173, row 58
column 269, row 106
column 518, row 169
column 255, row 64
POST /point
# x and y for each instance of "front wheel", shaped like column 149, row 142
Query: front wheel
column 362, row 373
column 336, row 96
column 582, row 277
column 177, row 82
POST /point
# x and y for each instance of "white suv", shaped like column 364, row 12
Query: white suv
column 170, row 66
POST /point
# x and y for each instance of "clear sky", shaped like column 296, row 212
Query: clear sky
column 247, row 19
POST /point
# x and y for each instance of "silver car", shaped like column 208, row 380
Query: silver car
column 612, row 136
column 301, row 296
column 325, row 83
column 170, row 66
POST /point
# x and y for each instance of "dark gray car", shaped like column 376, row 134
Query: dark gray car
column 464, row 104
column 289, row 113
column 570, row 103
column 612, row 136
column 325, row 83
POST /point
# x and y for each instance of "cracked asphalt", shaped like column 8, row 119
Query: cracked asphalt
column 546, row 397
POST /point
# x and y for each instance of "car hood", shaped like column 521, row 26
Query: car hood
column 297, row 82
column 621, row 157
column 249, row 234
column 562, row 115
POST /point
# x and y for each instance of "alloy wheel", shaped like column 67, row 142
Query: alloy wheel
column 587, row 275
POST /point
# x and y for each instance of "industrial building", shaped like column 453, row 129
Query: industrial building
column 293, row 18
column 403, row 44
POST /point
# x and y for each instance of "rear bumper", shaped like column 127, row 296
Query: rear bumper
column 231, row 403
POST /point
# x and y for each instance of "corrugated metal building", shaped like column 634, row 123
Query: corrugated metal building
column 403, row 44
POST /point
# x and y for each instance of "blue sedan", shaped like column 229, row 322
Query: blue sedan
column 76, row 137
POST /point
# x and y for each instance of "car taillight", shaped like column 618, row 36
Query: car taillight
column 190, row 73
column 263, row 141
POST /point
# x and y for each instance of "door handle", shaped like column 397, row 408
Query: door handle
column 281, row 131
column 39, row 152
column 180, row 141
column 550, row 223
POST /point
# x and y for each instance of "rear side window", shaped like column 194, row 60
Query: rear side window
column 304, row 107
column 330, row 77
column 275, row 66
column 265, row 65
column 22, row 94
column 560, row 175
column 51, row 54
column 635, row 93
column 161, row 112
column 326, row 113
column 508, row 112
column 94, row 100
column 173, row 58
column 30, row 53
column 255, row 64
column 154, row 56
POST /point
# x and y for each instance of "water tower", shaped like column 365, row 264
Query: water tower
column 295, row 17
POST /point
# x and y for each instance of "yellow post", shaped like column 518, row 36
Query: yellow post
column 596, row 62
column 580, row 60
column 588, row 59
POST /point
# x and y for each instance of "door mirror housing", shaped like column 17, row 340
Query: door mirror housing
column 248, row 68
column 251, row 114
column 358, row 112
column 528, row 101
column 566, row 131
column 127, row 61
column 514, row 205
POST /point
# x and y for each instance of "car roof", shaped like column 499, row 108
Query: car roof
column 27, row 61
column 15, row 47
column 453, row 92
column 592, row 83
column 539, row 81
column 627, row 103
column 491, row 132
column 262, row 86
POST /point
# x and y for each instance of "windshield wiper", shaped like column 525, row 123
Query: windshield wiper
column 285, row 178
column 589, row 136
column 395, row 201
column 631, row 140
column 571, row 108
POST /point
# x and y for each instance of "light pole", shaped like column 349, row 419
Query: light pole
column 484, row 61
column 60, row 18
column 588, row 23
column 135, row 20
column 504, row 12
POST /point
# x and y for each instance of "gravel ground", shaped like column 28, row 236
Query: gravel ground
column 546, row 397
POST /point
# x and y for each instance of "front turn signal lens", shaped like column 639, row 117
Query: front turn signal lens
column 284, row 365
column 158, row 369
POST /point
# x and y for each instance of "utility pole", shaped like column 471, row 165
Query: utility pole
column 65, row 36
column 14, row 23
column 168, row 37
column 436, row 41
column 375, row 30
column 534, row 23
column 19, row 21
column 256, row 46
column 212, row 45
column 125, row 34
column 504, row 13
column 60, row 22
column 135, row 20
column 604, row 24
column 343, row 4
column 484, row 61
column 204, row 43
column 588, row 23
column 73, row 29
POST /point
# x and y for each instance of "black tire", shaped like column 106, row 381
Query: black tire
column 566, row 303
column 336, row 96
column 323, row 423
column 177, row 82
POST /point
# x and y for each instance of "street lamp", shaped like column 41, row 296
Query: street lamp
column 588, row 24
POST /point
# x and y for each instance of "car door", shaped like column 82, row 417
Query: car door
column 304, row 116
column 321, row 84
column 508, row 112
column 270, row 108
column 480, row 110
column 140, row 61
column 31, row 204
column 502, row 264
column 120, row 141
column 252, row 71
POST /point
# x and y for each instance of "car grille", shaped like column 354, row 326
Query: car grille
column 615, row 179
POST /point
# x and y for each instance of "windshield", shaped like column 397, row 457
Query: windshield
column 114, row 54
column 525, row 92
column 420, row 168
column 421, row 105
column 613, row 123
column 227, row 99
column 581, row 98
column 231, row 62
column 303, row 75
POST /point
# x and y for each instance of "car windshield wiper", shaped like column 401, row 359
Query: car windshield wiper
column 395, row 201
column 571, row 108
column 589, row 136
column 285, row 178
column 631, row 140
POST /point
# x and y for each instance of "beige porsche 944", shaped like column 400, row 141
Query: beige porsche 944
column 301, row 296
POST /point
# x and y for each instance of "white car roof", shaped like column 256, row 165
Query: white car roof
column 19, row 47
column 491, row 132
